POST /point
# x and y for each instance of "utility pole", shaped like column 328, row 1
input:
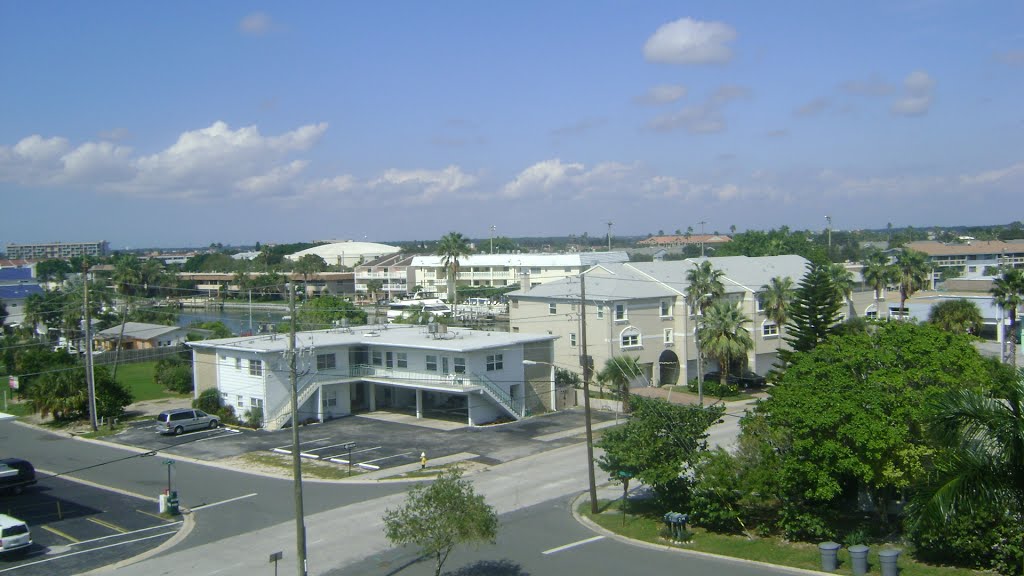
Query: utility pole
column 300, row 519
column 829, row 220
column 702, row 223
column 585, row 362
column 609, row 240
column 492, row 238
column 90, row 382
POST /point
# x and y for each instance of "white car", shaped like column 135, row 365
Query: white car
column 14, row 535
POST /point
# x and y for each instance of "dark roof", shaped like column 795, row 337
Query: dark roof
column 15, row 274
column 19, row 291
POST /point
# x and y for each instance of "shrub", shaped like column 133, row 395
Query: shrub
column 174, row 375
column 714, row 388
column 254, row 418
column 226, row 413
column 208, row 401
column 983, row 539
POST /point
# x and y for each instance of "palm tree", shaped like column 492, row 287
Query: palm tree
column 911, row 268
column 724, row 337
column 450, row 248
column 60, row 393
column 983, row 458
column 705, row 285
column 619, row 372
column 877, row 273
column 309, row 264
column 959, row 316
column 842, row 281
column 1008, row 293
column 127, row 274
column 776, row 296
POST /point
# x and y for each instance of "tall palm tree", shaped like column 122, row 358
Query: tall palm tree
column 127, row 274
column 877, row 273
column 309, row 264
column 451, row 248
column 724, row 337
column 619, row 372
column 776, row 296
column 1008, row 293
column 912, row 270
column 705, row 285
column 842, row 281
column 982, row 456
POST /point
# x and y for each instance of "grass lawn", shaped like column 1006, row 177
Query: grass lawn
column 138, row 377
column 310, row 469
column 646, row 525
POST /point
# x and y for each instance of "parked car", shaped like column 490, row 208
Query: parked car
column 16, row 474
column 747, row 379
column 184, row 420
column 14, row 535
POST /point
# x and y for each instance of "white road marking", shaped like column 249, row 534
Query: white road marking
column 125, row 533
column 301, row 443
column 353, row 452
column 229, row 500
column 222, row 434
column 385, row 458
column 86, row 551
column 572, row 545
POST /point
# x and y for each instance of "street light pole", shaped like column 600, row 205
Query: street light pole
column 585, row 360
column 300, row 520
column 829, row 220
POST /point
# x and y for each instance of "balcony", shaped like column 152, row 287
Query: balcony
column 401, row 377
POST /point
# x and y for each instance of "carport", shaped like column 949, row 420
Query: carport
column 437, row 402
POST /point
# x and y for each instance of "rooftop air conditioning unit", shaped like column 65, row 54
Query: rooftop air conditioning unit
column 432, row 328
column 441, row 328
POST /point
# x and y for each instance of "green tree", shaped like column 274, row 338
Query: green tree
column 911, row 272
column 127, row 275
column 60, row 393
column 451, row 248
column 174, row 374
column 878, row 273
column 620, row 372
column 1008, row 293
column 325, row 311
column 3, row 313
column 724, row 337
column 112, row 397
column 217, row 328
column 961, row 316
column 53, row 270
column 704, row 285
column 842, row 282
column 776, row 298
column 309, row 264
column 814, row 311
column 439, row 516
column 658, row 443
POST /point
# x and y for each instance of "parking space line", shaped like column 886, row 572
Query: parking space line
column 157, row 516
column 109, row 536
column 326, row 447
column 225, row 432
column 301, row 443
column 59, row 533
column 369, row 466
column 105, row 524
column 62, row 556
column 353, row 452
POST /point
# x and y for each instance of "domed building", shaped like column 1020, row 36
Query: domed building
column 347, row 253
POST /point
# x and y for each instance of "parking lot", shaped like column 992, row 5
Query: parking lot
column 76, row 527
column 376, row 444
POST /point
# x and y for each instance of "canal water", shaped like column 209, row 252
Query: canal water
column 238, row 320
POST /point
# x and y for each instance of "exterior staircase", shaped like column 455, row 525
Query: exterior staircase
column 513, row 406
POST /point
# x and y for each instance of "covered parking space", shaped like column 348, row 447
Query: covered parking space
column 453, row 403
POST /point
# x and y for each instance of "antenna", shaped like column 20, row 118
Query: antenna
column 610, row 235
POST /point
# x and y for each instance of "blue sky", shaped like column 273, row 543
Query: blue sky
column 185, row 123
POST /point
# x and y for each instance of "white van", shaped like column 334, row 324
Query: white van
column 14, row 535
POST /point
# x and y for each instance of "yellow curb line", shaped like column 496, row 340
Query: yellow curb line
column 105, row 524
column 61, row 534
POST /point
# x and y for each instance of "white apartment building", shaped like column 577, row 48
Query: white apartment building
column 427, row 370
column 972, row 259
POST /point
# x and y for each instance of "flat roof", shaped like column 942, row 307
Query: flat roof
column 399, row 336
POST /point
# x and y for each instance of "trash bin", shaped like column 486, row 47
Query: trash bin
column 859, row 559
column 829, row 551
column 172, row 503
column 887, row 559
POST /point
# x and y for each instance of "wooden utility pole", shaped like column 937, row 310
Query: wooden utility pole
column 300, row 519
column 585, row 361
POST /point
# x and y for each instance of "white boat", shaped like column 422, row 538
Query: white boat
column 434, row 306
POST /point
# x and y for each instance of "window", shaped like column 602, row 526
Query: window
column 495, row 362
column 600, row 311
column 432, row 363
column 668, row 336
column 255, row 367
column 515, row 329
column 666, row 308
column 620, row 311
column 256, row 403
column 572, row 339
column 759, row 302
column 224, row 398
column 238, row 363
column 325, row 362
column 871, row 314
column 552, row 308
column 629, row 338
column 376, row 358
column 769, row 330
column 240, row 401
column 402, row 359
column 460, row 365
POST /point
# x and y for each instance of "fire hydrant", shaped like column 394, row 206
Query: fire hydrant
column 423, row 460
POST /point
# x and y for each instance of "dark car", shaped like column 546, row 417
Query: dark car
column 747, row 379
column 16, row 474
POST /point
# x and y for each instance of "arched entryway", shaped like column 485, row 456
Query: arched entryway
column 668, row 368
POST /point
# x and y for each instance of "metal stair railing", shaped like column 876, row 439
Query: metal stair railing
column 514, row 406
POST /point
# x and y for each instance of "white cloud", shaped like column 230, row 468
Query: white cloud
column 1006, row 175
column 429, row 185
column 255, row 24
column 916, row 98
column 689, row 41
column 664, row 94
column 703, row 118
column 277, row 180
column 34, row 160
column 542, row 176
column 335, row 185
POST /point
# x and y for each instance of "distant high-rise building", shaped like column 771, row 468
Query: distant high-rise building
column 57, row 250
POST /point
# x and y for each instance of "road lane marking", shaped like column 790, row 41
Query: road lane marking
column 572, row 545
column 229, row 500
column 60, row 533
column 62, row 556
column 109, row 536
column 105, row 524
